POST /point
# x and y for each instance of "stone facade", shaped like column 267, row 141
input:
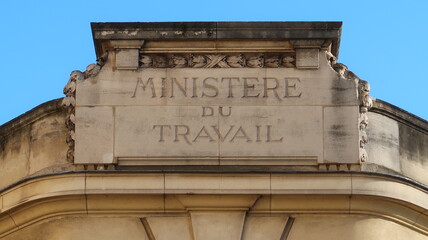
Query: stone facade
column 215, row 131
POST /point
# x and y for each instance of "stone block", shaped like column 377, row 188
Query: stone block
column 307, row 58
column 217, row 225
column 127, row 59
column 261, row 228
column 250, row 135
column 166, row 228
column 341, row 136
column 383, row 141
column 94, row 131
column 47, row 144
column 295, row 184
column 218, row 183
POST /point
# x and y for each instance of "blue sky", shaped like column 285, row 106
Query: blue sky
column 383, row 42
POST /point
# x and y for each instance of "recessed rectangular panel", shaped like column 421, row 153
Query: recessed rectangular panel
column 147, row 135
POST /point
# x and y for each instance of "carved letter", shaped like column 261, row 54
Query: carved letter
column 220, row 110
column 230, row 85
column 207, row 135
column 249, row 86
column 243, row 135
column 207, row 111
column 161, row 131
column 182, row 89
column 217, row 131
column 266, row 88
column 292, row 93
column 186, row 128
column 258, row 133
column 268, row 137
column 194, row 87
column 210, row 86
column 164, row 90
column 144, row 85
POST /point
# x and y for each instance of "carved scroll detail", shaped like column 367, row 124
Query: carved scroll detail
column 365, row 102
column 202, row 60
column 69, row 101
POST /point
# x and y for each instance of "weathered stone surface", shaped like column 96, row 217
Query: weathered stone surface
column 307, row 58
column 260, row 228
column 218, row 116
column 341, row 134
column 33, row 144
column 94, row 129
column 413, row 153
column 180, row 132
column 127, row 59
column 383, row 135
column 217, row 225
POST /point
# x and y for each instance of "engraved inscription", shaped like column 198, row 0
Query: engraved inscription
column 213, row 134
column 211, row 87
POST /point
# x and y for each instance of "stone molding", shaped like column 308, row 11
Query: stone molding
column 30, row 117
column 140, row 194
column 232, row 60
column 365, row 101
column 399, row 115
column 69, row 101
column 312, row 31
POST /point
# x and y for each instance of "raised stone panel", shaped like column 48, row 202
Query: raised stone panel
column 127, row 59
column 261, row 228
column 94, row 129
column 250, row 135
column 217, row 225
column 261, row 116
column 383, row 135
column 341, row 134
column 166, row 228
column 307, row 58
column 187, row 86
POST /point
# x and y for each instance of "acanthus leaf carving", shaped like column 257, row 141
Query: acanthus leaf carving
column 364, row 99
column 69, row 101
column 231, row 60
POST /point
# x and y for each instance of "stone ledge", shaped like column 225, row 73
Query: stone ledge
column 216, row 30
column 30, row 116
column 399, row 115
column 42, row 198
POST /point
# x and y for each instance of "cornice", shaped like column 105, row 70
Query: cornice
column 141, row 194
column 31, row 116
column 105, row 31
column 399, row 115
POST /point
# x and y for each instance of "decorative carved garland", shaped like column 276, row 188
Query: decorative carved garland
column 69, row 101
column 364, row 99
column 257, row 60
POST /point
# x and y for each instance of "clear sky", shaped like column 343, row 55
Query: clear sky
column 383, row 42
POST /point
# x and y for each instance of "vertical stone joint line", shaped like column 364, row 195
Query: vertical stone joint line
column 86, row 195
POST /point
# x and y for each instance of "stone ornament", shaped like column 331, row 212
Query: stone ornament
column 253, row 60
column 69, row 101
column 365, row 102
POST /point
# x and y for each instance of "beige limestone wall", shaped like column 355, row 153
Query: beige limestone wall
column 397, row 145
column 350, row 228
column 33, row 144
